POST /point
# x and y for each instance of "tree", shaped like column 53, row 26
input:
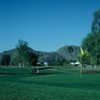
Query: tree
column 33, row 59
column 85, row 58
column 92, row 41
column 96, row 21
column 58, row 62
column 25, row 57
column 5, row 60
column 22, row 48
column 92, row 44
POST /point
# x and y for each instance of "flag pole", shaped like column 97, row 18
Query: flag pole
column 82, row 53
column 80, row 71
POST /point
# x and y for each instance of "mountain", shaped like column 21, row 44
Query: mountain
column 68, row 53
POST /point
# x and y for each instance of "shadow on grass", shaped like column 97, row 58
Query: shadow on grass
column 41, row 73
column 48, row 73
column 11, row 73
column 45, row 73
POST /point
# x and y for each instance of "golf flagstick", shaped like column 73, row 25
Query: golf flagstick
column 82, row 53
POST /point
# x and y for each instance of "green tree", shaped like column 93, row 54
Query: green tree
column 58, row 62
column 92, row 44
column 33, row 59
column 25, row 57
column 96, row 21
column 22, row 48
column 85, row 59
column 5, row 60
column 92, row 41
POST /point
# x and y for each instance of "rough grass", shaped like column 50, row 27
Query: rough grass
column 20, row 84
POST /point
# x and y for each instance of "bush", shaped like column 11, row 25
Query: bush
column 5, row 60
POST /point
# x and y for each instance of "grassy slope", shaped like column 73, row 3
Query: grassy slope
column 20, row 84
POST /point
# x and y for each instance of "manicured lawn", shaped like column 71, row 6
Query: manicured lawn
column 21, row 84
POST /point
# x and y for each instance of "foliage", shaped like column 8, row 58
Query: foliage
column 22, row 49
column 92, row 42
column 33, row 59
column 96, row 21
column 58, row 62
column 85, row 59
column 15, row 61
column 25, row 55
column 5, row 60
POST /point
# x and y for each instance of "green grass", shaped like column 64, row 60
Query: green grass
column 21, row 84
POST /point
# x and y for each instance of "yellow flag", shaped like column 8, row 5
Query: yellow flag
column 82, row 52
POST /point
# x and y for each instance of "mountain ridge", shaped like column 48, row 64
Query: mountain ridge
column 67, row 52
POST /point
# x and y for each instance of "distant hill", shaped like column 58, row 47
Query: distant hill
column 68, row 53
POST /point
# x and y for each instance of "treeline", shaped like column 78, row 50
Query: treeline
column 24, row 56
column 91, row 43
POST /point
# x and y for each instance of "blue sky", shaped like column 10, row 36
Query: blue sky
column 45, row 24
